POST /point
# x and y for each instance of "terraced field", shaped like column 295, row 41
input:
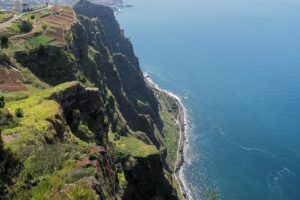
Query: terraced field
column 49, row 28
column 56, row 33
column 61, row 19
column 11, row 80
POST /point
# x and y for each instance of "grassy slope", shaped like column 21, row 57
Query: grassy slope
column 169, row 112
column 168, row 109
column 37, row 110
column 55, row 164
column 4, row 17
column 135, row 147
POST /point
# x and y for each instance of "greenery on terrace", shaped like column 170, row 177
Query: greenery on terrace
column 35, row 42
column 37, row 110
column 134, row 147
column 39, row 27
column 5, row 16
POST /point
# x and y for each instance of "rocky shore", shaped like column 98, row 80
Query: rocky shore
column 182, row 122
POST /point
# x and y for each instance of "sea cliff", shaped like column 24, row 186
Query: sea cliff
column 87, row 126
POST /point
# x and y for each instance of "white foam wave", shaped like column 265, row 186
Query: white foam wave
column 285, row 171
column 184, row 136
column 257, row 149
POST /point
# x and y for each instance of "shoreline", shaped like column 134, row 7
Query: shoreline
column 182, row 122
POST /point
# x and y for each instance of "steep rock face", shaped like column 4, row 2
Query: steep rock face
column 104, row 181
column 79, row 98
column 98, row 52
column 147, row 180
column 114, row 37
column 124, row 78
column 51, row 64
column 83, row 107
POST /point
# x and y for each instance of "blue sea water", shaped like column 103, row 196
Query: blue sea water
column 236, row 65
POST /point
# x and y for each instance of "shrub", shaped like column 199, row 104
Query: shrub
column 93, row 156
column 83, row 132
column 14, row 28
column 2, row 101
column 117, row 137
column 6, row 119
column 80, row 192
column 43, row 159
column 44, row 26
column 32, row 17
column 19, row 112
column 77, row 156
column 40, row 192
column 25, row 26
column 78, row 174
column 4, row 41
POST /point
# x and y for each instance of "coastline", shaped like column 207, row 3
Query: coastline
column 182, row 122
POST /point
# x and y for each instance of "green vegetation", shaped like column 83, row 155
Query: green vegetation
column 79, row 173
column 14, row 28
column 93, row 156
column 4, row 41
column 45, row 12
column 25, row 26
column 6, row 119
column 122, row 179
column 37, row 111
column 5, row 16
column 37, row 41
column 80, row 192
column 52, row 184
column 134, row 147
column 2, row 101
column 10, row 167
column 19, row 112
column 32, row 17
column 52, row 164
column 169, row 112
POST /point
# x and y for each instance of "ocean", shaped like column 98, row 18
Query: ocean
column 236, row 65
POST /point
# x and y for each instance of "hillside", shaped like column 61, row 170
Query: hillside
column 79, row 120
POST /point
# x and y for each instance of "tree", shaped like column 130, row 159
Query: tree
column 19, row 112
column 25, row 26
column 4, row 41
column 2, row 101
column 32, row 17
